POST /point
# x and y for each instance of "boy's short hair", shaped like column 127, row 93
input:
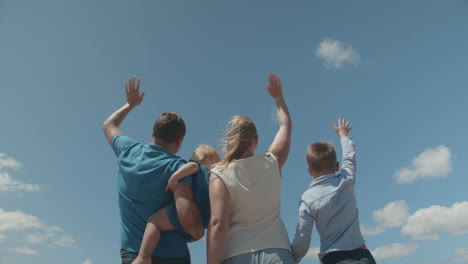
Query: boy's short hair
column 321, row 156
column 169, row 127
column 204, row 153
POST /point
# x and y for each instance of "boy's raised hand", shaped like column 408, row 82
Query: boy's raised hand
column 132, row 92
column 274, row 86
column 343, row 127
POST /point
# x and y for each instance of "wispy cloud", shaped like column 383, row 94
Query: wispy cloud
column 432, row 163
column 367, row 230
column 3, row 238
column 7, row 183
column 52, row 236
column 336, row 54
column 461, row 255
column 64, row 241
column 394, row 214
column 88, row 261
column 23, row 250
column 394, row 251
column 425, row 223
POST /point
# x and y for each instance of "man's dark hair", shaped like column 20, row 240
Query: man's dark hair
column 169, row 127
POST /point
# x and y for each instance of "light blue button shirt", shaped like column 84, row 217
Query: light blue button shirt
column 330, row 202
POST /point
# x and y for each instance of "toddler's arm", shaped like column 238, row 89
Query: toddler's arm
column 301, row 242
column 186, row 170
column 348, row 167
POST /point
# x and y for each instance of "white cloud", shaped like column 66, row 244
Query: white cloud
column 24, row 250
column 7, row 183
column 394, row 251
column 461, row 254
column 394, row 214
column 312, row 253
column 425, row 223
column 367, row 230
column 88, row 261
column 15, row 221
column 53, row 236
column 7, row 162
column 432, row 163
column 336, row 54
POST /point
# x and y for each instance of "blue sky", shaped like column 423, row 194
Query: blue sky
column 396, row 69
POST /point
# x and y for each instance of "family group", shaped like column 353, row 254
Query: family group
column 166, row 202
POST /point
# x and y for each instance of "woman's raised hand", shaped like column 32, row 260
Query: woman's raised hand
column 274, row 86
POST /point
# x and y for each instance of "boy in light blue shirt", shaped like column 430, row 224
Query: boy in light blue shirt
column 330, row 202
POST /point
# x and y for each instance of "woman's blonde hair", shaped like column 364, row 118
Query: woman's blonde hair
column 240, row 132
column 204, row 153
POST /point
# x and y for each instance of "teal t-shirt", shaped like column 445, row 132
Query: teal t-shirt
column 143, row 173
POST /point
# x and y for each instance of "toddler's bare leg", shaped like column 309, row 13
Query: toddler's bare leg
column 156, row 223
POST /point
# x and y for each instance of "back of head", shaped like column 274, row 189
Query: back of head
column 206, row 155
column 240, row 133
column 321, row 157
column 169, row 127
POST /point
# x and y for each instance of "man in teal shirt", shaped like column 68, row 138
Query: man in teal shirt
column 143, row 173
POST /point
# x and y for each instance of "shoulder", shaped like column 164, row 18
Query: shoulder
column 120, row 139
column 121, row 143
column 310, row 196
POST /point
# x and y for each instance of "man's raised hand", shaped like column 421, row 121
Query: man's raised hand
column 132, row 92
column 343, row 127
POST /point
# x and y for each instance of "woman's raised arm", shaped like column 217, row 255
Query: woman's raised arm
column 282, row 142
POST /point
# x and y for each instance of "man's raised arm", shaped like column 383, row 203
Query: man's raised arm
column 134, row 98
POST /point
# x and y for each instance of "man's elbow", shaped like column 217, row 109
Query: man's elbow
column 192, row 222
column 106, row 127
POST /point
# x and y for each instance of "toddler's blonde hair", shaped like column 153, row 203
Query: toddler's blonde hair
column 203, row 153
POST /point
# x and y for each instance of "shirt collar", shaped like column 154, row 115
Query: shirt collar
column 322, row 179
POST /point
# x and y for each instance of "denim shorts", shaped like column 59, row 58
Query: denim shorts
column 129, row 256
column 266, row 256
column 356, row 256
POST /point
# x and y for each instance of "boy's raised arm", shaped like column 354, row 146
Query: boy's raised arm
column 282, row 142
column 348, row 167
column 186, row 170
column 134, row 98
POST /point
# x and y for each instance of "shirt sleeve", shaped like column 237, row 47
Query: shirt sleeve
column 120, row 143
column 348, row 168
column 301, row 242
